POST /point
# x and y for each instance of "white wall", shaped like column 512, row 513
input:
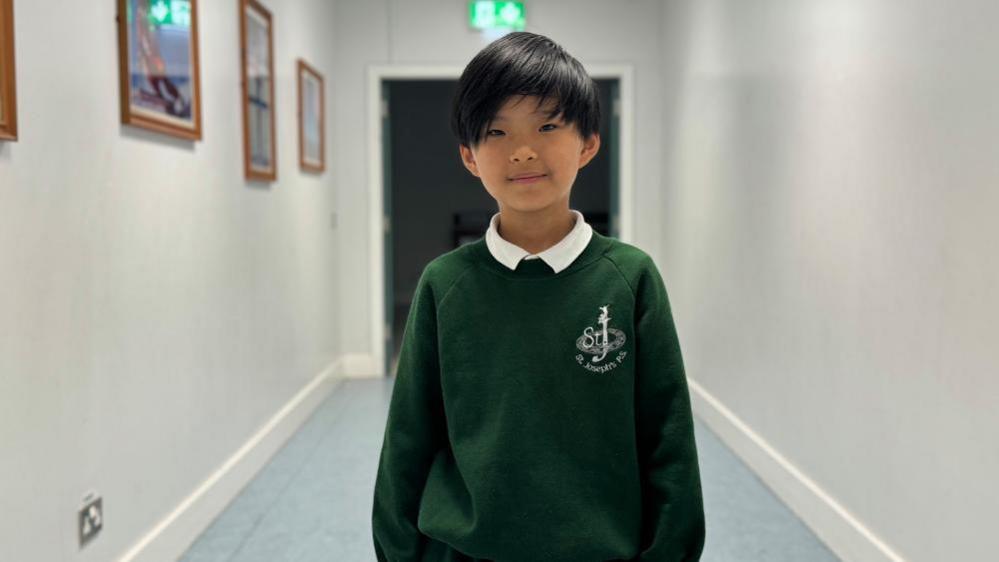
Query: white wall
column 156, row 309
column 436, row 32
column 829, row 242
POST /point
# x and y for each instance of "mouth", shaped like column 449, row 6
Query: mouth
column 529, row 179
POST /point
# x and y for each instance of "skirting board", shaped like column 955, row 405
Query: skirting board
column 842, row 532
column 174, row 534
column 359, row 366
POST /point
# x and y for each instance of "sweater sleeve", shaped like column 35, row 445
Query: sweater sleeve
column 672, row 506
column 413, row 434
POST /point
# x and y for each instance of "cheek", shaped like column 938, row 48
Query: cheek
column 563, row 163
column 488, row 164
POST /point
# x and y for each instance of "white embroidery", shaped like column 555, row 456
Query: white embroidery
column 599, row 343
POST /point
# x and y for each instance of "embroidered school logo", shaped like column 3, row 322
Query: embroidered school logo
column 600, row 341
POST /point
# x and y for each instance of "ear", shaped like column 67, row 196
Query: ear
column 590, row 148
column 468, row 159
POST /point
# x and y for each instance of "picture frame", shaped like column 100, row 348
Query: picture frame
column 257, row 71
column 159, row 66
column 311, row 119
column 8, row 75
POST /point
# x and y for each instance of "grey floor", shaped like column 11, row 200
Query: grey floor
column 312, row 501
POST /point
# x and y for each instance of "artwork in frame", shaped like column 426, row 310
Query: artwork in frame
column 257, row 51
column 311, row 115
column 8, row 89
column 158, row 66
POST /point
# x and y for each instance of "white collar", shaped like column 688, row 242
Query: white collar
column 559, row 256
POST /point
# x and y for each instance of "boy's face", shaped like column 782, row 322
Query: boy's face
column 521, row 140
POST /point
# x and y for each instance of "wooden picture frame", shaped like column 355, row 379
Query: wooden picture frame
column 8, row 76
column 311, row 119
column 256, row 36
column 159, row 70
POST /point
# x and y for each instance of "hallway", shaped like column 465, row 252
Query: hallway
column 312, row 502
column 214, row 218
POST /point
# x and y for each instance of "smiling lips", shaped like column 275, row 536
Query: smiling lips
column 527, row 178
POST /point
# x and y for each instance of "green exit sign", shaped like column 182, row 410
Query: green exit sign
column 497, row 15
column 170, row 12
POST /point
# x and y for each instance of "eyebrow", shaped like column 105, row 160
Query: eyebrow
column 538, row 112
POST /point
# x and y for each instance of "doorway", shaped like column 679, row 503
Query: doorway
column 431, row 204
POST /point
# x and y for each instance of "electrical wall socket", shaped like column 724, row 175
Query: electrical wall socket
column 91, row 518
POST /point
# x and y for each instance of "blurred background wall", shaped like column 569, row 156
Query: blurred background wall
column 155, row 309
column 828, row 210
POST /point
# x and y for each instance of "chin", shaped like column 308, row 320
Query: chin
column 527, row 205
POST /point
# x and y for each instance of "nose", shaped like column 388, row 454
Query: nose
column 523, row 153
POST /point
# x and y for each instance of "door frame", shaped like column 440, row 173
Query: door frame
column 379, row 223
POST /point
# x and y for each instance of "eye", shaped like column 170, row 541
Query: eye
column 490, row 132
column 552, row 125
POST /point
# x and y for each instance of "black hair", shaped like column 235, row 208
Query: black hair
column 523, row 63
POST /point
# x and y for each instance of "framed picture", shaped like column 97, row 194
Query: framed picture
column 8, row 90
column 311, row 114
column 158, row 66
column 257, row 51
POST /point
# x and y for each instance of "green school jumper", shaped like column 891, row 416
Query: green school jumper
column 539, row 416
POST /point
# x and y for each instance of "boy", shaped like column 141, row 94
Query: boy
column 540, row 410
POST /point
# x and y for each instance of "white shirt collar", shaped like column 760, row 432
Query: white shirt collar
column 559, row 256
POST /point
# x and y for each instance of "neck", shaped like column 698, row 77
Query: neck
column 535, row 231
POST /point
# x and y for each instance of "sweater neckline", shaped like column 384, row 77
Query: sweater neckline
column 537, row 268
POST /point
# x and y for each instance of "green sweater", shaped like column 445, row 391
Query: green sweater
column 538, row 416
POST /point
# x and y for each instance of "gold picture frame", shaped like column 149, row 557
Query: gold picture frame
column 256, row 36
column 160, row 88
column 311, row 119
column 8, row 76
